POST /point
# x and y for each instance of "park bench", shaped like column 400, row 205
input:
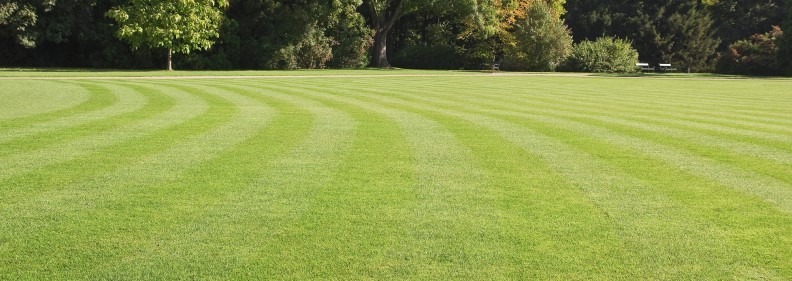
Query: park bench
column 496, row 65
column 666, row 67
column 642, row 66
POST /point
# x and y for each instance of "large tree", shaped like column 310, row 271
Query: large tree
column 383, row 15
column 541, row 40
column 180, row 26
column 694, row 42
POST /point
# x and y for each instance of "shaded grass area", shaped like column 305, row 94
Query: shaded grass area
column 475, row 177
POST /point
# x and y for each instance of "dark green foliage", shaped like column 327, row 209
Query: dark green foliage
column 592, row 19
column 428, row 57
column 663, row 31
column 471, row 34
column 384, row 16
column 693, row 44
column 312, row 50
column 443, row 39
column 756, row 55
column 426, row 41
column 19, row 18
column 268, row 34
column 739, row 19
column 352, row 38
column 606, row 54
column 785, row 44
column 74, row 33
column 337, row 37
column 542, row 41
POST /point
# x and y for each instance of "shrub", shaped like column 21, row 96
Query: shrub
column 312, row 50
column 756, row 55
column 606, row 54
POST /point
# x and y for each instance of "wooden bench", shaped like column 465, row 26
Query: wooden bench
column 666, row 67
column 642, row 66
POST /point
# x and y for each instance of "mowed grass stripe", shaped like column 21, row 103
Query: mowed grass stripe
column 446, row 182
column 594, row 188
column 637, row 103
column 726, row 149
column 767, row 188
column 733, row 154
column 701, row 96
column 634, row 205
column 128, row 105
column 89, row 164
column 534, row 226
column 197, row 206
column 492, row 100
column 284, row 197
column 107, row 159
column 272, row 206
column 362, row 218
column 768, row 216
column 357, row 221
column 114, row 190
column 186, row 107
column 27, row 102
column 736, row 216
column 645, row 106
column 82, row 101
column 483, row 177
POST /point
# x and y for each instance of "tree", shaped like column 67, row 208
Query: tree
column 592, row 19
column 694, row 42
column 180, row 26
column 542, row 41
column 383, row 15
column 738, row 19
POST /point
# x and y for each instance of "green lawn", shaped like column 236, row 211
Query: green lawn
column 451, row 175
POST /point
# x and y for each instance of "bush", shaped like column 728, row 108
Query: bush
column 757, row 55
column 312, row 50
column 605, row 55
column 542, row 41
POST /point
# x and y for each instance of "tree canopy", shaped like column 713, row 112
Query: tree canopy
column 278, row 34
column 180, row 26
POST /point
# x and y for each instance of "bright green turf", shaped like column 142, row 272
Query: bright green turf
column 461, row 176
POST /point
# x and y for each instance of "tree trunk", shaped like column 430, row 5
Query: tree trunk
column 170, row 59
column 381, row 48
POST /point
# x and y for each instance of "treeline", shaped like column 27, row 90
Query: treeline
column 728, row 36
